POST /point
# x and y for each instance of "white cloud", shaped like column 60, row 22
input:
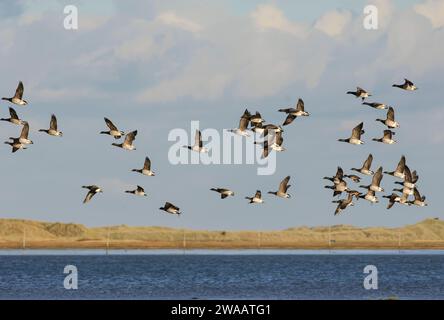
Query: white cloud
column 333, row 22
column 268, row 16
column 432, row 10
column 172, row 19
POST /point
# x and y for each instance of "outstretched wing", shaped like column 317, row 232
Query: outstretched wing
column 377, row 177
column 198, row 139
column 391, row 114
column 283, row 186
column 25, row 131
column 300, row 105
column 19, row 91
column 408, row 82
column 401, row 165
column 89, row 196
column 147, row 164
column 357, row 131
column 258, row 194
column 368, row 162
column 53, row 123
column 13, row 114
column 130, row 137
column 289, row 119
column 110, row 125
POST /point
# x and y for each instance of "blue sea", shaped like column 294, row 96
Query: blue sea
column 201, row 274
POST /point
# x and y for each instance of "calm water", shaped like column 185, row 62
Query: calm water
column 221, row 275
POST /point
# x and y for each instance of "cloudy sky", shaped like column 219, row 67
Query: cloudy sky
column 158, row 65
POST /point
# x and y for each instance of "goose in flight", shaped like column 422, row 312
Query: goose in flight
column 52, row 131
column 387, row 137
column 376, row 105
column 243, row 124
column 198, row 146
column 370, row 196
column 223, row 192
column 256, row 118
column 93, row 189
column 24, row 135
column 113, row 131
column 16, row 144
column 365, row 169
column 338, row 188
column 408, row 184
column 419, row 200
column 343, row 204
column 390, row 120
column 407, row 85
column 139, row 191
column 399, row 171
column 146, row 170
column 376, row 182
column 411, row 184
column 393, row 198
column 278, row 140
column 356, row 135
column 14, row 118
column 353, row 177
column 283, row 187
column 264, row 129
column 257, row 198
column 360, row 93
column 170, row 208
column 18, row 96
column 127, row 144
column 293, row 113
column 338, row 176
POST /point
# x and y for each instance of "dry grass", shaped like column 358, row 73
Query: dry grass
column 427, row 234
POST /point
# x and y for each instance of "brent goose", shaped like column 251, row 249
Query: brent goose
column 14, row 118
column 353, row 177
column 366, row 166
column 387, row 138
column 390, row 121
column 198, row 146
column 399, row 171
column 356, row 135
column 15, row 144
column 283, row 187
column 243, row 124
column 146, row 170
column 395, row 198
column 370, row 196
column 113, row 131
column 344, row 204
column 170, row 208
column 256, row 118
column 360, row 93
column 408, row 184
column 223, row 192
column 376, row 182
column 93, row 189
column 338, row 188
column 376, row 105
column 17, row 98
column 257, row 198
column 277, row 145
column 419, row 201
column 407, row 85
column 293, row 113
column 415, row 179
column 338, row 177
column 127, row 144
column 52, row 131
column 138, row 192
column 264, row 129
column 24, row 135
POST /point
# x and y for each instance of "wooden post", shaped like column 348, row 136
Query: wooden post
column 24, row 238
column 184, row 241
column 107, row 240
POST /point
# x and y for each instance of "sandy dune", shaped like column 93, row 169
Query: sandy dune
column 427, row 234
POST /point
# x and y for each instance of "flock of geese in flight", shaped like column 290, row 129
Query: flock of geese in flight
column 402, row 171
column 273, row 141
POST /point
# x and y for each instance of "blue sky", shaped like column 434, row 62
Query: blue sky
column 157, row 65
